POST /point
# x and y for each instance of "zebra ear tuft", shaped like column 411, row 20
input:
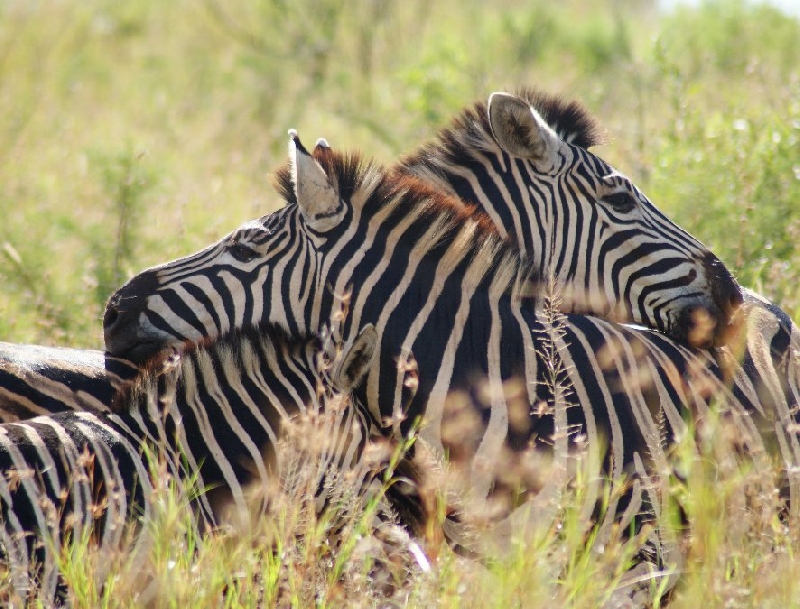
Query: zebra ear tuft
column 317, row 198
column 356, row 358
column 520, row 131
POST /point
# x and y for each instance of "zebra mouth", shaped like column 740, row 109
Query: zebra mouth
column 139, row 352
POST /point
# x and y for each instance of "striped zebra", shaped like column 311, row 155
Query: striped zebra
column 477, row 159
column 444, row 290
column 497, row 155
column 211, row 414
column 37, row 380
column 524, row 160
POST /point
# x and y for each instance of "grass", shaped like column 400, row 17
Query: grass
column 132, row 133
column 739, row 549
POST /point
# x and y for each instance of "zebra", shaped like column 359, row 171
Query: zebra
column 211, row 414
column 524, row 160
column 445, row 291
column 36, row 380
column 475, row 158
column 494, row 155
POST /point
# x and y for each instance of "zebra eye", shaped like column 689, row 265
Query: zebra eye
column 242, row 253
column 620, row 201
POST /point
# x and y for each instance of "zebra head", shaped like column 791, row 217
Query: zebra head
column 524, row 160
column 268, row 269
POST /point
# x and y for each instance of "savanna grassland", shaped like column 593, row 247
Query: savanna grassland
column 134, row 132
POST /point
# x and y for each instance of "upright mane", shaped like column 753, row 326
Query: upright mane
column 430, row 213
column 570, row 120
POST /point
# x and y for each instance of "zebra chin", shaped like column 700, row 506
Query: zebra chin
column 132, row 343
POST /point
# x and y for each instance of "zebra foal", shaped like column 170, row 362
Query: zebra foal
column 212, row 415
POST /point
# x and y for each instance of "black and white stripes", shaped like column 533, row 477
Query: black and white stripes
column 439, row 284
column 209, row 418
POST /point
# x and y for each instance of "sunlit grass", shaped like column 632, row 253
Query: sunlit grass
column 178, row 111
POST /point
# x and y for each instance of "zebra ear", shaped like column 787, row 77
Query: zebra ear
column 318, row 200
column 520, row 131
column 356, row 358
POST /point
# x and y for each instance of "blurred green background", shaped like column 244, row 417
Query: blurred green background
column 134, row 132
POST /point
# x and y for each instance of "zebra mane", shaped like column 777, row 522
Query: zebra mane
column 570, row 120
column 164, row 371
column 429, row 212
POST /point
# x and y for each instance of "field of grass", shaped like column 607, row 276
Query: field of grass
column 134, row 132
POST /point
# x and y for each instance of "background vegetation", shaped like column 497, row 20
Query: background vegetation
column 134, row 132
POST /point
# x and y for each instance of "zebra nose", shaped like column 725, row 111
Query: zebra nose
column 727, row 296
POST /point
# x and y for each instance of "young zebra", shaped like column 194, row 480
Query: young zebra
column 212, row 415
column 440, row 283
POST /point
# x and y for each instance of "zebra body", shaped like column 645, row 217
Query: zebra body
column 445, row 291
column 211, row 415
column 37, row 380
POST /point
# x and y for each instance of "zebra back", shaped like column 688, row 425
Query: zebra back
column 211, row 415
column 36, row 380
